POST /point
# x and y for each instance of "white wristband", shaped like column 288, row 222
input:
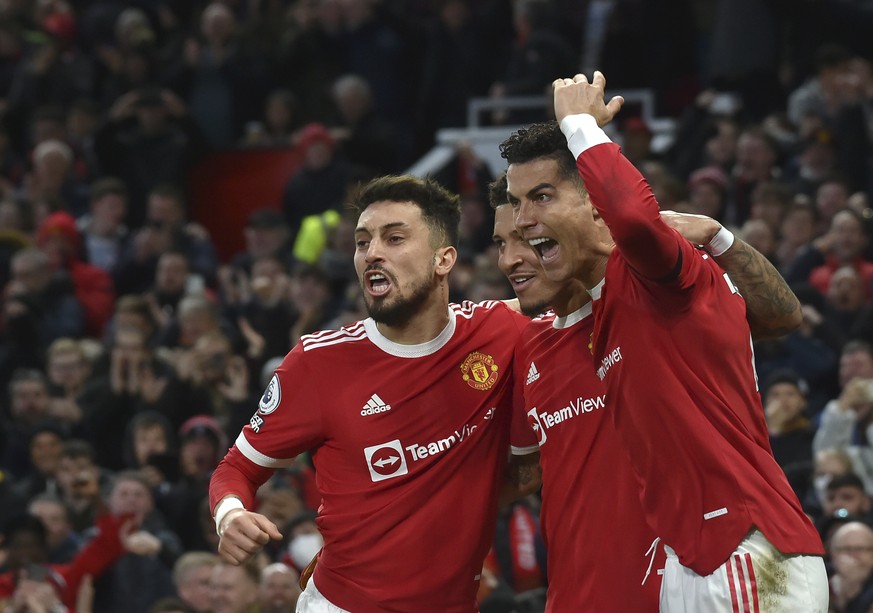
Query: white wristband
column 721, row 242
column 224, row 507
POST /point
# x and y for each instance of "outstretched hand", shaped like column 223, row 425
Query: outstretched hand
column 577, row 96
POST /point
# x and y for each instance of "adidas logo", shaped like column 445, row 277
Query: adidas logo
column 375, row 405
column 532, row 374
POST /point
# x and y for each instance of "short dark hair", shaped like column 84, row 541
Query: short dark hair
column 27, row 524
column 20, row 375
column 857, row 345
column 831, row 55
column 440, row 208
column 108, row 186
column 171, row 191
column 846, row 480
column 541, row 140
column 497, row 191
column 786, row 375
column 78, row 448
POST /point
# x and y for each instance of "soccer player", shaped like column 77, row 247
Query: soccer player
column 672, row 346
column 592, row 564
column 407, row 414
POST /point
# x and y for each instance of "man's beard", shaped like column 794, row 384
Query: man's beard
column 401, row 310
column 532, row 310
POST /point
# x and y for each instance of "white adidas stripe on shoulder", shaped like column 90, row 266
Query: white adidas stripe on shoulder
column 466, row 308
column 327, row 338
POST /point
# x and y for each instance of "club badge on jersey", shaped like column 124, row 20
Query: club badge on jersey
column 479, row 371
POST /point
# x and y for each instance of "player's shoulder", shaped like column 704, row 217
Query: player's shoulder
column 487, row 309
column 469, row 309
column 325, row 339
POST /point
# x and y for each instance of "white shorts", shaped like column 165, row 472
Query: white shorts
column 312, row 601
column 756, row 579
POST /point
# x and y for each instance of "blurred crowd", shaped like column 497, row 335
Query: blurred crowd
column 132, row 355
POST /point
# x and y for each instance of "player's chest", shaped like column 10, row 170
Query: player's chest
column 447, row 395
column 564, row 399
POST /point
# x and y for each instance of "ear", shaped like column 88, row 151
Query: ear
column 444, row 260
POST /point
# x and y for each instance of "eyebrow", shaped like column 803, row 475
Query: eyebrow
column 538, row 188
column 384, row 228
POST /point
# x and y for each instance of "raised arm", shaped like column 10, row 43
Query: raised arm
column 772, row 309
column 618, row 191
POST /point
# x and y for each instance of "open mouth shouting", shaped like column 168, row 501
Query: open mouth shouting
column 546, row 248
column 377, row 283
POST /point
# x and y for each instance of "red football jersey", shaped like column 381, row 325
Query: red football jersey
column 410, row 443
column 592, row 521
column 676, row 358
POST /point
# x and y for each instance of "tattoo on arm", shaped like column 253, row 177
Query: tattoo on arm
column 772, row 309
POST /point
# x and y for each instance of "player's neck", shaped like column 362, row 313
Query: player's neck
column 424, row 326
column 570, row 299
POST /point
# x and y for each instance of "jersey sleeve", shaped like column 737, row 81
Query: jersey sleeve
column 289, row 418
column 625, row 200
column 288, row 422
column 522, row 438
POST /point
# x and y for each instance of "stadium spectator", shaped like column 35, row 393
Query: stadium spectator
column 320, row 182
column 846, row 419
column 706, row 192
column 851, row 552
column 28, row 406
column 144, row 573
column 784, row 396
column 69, row 369
column 234, row 588
column 796, row 231
column 61, row 240
column 192, row 575
column 63, row 542
column 53, row 180
column 371, row 144
column 845, row 497
column 103, row 228
column 41, row 304
column 756, row 163
column 81, row 480
column 45, row 443
column 278, row 589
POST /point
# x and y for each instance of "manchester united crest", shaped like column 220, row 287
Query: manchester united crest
column 479, row 371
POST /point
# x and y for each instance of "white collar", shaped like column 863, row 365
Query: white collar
column 595, row 291
column 410, row 351
column 560, row 323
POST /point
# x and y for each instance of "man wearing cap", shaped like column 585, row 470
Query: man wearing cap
column 203, row 443
column 321, row 181
column 791, row 434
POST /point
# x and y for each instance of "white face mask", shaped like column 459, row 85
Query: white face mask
column 303, row 548
column 820, row 484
